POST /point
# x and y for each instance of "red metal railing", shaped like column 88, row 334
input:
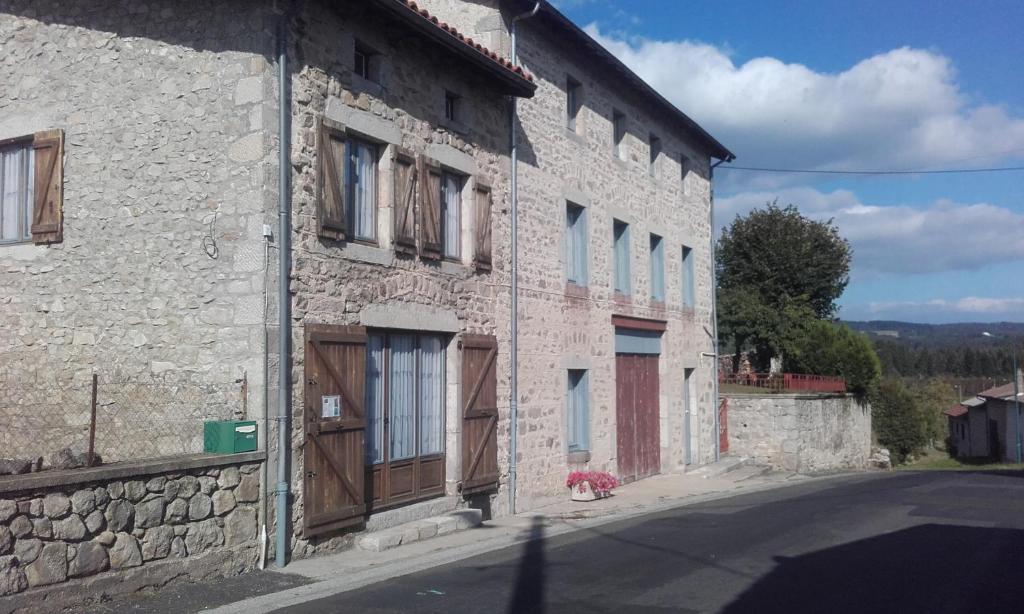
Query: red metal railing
column 783, row 382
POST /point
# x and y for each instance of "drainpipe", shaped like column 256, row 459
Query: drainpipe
column 514, row 379
column 283, row 296
column 714, row 309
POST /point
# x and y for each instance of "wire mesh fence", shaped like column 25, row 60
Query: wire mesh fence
column 135, row 417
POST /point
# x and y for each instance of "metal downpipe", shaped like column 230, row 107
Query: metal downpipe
column 283, row 297
column 514, row 332
column 714, row 311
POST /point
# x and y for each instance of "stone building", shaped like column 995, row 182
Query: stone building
column 141, row 205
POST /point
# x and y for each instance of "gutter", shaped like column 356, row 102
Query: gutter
column 284, row 233
column 714, row 305
column 514, row 333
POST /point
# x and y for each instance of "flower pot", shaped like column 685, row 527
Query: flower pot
column 584, row 491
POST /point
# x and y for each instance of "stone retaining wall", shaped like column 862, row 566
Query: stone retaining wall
column 803, row 433
column 60, row 530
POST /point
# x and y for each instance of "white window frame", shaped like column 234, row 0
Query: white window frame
column 447, row 247
column 657, row 255
column 688, row 287
column 352, row 181
column 621, row 282
column 576, row 248
column 577, row 404
column 24, row 196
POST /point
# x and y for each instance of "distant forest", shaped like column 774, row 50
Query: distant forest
column 959, row 350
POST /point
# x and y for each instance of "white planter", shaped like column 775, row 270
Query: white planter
column 583, row 491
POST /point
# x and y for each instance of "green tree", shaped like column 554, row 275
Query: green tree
column 897, row 419
column 933, row 396
column 828, row 348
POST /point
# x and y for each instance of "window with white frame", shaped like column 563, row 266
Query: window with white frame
column 361, row 189
column 687, row 280
column 620, row 247
column 451, row 218
column 618, row 133
column 657, row 269
column 578, row 411
column 576, row 244
column 17, row 179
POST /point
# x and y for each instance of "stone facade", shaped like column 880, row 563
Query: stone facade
column 160, row 277
column 63, row 537
column 802, row 433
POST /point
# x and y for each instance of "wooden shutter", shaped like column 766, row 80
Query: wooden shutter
column 331, row 184
column 483, row 204
column 334, row 452
column 47, row 210
column 430, row 208
column 479, row 413
column 404, row 200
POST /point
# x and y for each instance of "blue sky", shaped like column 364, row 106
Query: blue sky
column 851, row 86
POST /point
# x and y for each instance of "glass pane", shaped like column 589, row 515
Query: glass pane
column 11, row 175
column 571, row 412
column 374, row 401
column 451, row 200
column 431, row 380
column 402, row 403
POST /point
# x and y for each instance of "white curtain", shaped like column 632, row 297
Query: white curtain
column 364, row 189
column 403, row 397
column 450, row 194
column 374, row 402
column 431, row 380
column 16, row 193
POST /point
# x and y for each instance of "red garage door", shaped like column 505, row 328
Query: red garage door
column 636, row 410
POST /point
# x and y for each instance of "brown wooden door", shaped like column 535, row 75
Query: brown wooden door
column 333, row 484
column 479, row 413
column 723, row 426
column 638, row 436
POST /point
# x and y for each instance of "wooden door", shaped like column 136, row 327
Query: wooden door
column 638, row 435
column 723, row 426
column 335, row 373
column 479, row 413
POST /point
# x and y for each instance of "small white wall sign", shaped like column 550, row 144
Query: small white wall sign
column 331, row 406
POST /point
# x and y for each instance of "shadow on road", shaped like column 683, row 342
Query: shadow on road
column 528, row 591
column 927, row 568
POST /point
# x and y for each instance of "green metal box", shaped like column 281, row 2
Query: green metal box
column 229, row 436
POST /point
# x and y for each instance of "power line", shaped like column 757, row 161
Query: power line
column 828, row 172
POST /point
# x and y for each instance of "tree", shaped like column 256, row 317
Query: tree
column 777, row 272
column 827, row 348
column 784, row 256
column 897, row 420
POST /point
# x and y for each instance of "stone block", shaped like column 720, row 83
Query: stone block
column 203, row 535
column 410, row 534
column 379, row 541
column 115, row 490
column 69, row 529
column 176, row 511
column 156, row 484
column 240, row 526
column 56, row 506
column 125, row 552
column 135, row 490
column 223, row 502
column 120, row 515
column 199, row 507
column 207, row 485
column 106, row 538
column 445, row 524
column 12, row 577
column 91, row 559
column 467, row 518
column 82, row 502
column 248, row 490
column 21, row 526
column 102, row 497
column 50, row 567
column 188, row 485
column 149, row 513
column 6, row 540
column 27, row 550
column 42, row 527
column 229, row 477
column 95, row 522
column 157, row 543
column 8, row 509
column 427, row 529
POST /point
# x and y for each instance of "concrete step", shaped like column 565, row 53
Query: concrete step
column 747, row 472
column 725, row 465
column 418, row 530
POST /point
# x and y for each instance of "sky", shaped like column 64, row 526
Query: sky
column 866, row 85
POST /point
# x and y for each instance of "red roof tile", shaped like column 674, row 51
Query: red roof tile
column 956, row 411
column 998, row 392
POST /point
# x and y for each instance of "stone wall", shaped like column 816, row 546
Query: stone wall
column 85, row 534
column 802, row 433
column 168, row 149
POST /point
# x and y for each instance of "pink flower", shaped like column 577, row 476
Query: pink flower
column 601, row 481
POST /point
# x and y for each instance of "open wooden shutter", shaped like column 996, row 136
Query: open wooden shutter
column 333, row 454
column 482, row 214
column 47, row 210
column 479, row 413
column 404, row 200
column 331, row 184
column 430, row 208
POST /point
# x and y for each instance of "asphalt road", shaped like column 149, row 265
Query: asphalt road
column 898, row 542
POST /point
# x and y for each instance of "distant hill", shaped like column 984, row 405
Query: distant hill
column 965, row 334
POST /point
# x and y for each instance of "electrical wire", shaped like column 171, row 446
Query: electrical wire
column 878, row 172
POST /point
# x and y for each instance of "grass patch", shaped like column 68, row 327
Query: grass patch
column 938, row 460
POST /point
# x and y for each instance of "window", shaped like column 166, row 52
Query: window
column 404, row 397
column 618, row 133
column 573, row 102
column 687, row 438
column 576, row 244
column 655, row 152
column 578, row 411
column 687, row 285
column 451, row 205
column 451, row 106
column 657, row 269
column 620, row 241
column 17, row 180
column 684, row 166
column 362, row 61
column 361, row 189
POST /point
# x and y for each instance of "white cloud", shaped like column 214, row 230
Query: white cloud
column 899, row 239
column 969, row 305
column 902, row 109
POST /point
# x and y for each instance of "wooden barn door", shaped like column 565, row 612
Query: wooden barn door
column 479, row 413
column 335, row 424
column 638, row 435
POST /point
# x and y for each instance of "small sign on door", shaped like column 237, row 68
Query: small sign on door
column 331, row 406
